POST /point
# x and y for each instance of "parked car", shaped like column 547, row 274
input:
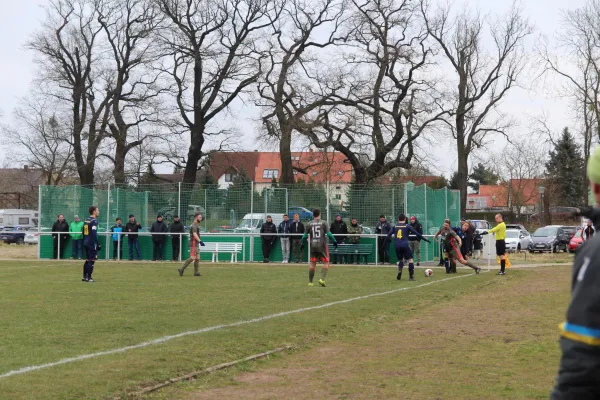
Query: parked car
column 367, row 230
column 13, row 234
column 481, row 225
column 559, row 214
column 549, row 239
column 576, row 241
column 517, row 240
column 222, row 228
column 304, row 213
column 516, row 226
column 570, row 230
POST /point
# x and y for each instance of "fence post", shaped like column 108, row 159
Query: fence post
column 106, row 250
column 405, row 199
column 180, row 244
column 328, row 202
column 39, row 249
column 179, row 202
column 146, row 208
column 251, row 220
column 426, row 224
column 393, row 205
column 446, row 198
column 205, row 210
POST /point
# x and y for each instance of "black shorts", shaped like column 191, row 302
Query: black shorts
column 500, row 247
column 404, row 253
column 92, row 253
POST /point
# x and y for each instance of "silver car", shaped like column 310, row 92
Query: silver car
column 517, row 240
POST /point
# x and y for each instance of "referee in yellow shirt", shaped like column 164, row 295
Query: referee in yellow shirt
column 500, row 231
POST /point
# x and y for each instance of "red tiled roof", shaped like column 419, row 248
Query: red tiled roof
column 525, row 191
column 495, row 195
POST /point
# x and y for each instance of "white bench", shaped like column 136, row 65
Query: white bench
column 215, row 248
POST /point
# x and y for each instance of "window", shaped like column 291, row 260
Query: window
column 228, row 177
column 271, row 173
column 297, row 158
column 338, row 196
column 338, row 188
column 314, row 173
column 295, row 172
column 23, row 221
column 341, row 173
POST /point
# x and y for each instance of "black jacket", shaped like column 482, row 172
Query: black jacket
column 284, row 229
column 588, row 233
column 417, row 227
column 469, row 237
column 383, row 228
column 339, row 230
column 177, row 227
column 296, row 227
column 269, row 227
column 132, row 228
column 579, row 373
column 60, row 227
column 159, row 227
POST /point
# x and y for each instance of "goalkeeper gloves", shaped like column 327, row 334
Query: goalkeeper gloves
column 202, row 243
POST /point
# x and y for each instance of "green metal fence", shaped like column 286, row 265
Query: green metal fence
column 225, row 208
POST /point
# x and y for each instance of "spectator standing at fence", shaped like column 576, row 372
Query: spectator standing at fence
column 60, row 228
column 477, row 244
column 297, row 229
column 132, row 228
column 116, row 230
column 284, row 231
column 382, row 228
column 195, row 244
column 589, row 231
column 354, row 232
column 414, row 241
column 158, row 228
column 339, row 230
column 76, row 230
column 176, row 229
column 268, row 235
column 91, row 243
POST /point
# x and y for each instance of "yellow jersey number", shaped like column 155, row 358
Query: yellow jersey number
column 399, row 234
column 86, row 230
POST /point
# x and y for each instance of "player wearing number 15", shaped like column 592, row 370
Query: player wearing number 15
column 318, row 231
column 400, row 233
column 90, row 242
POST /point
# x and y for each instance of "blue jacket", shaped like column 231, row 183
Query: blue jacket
column 116, row 228
column 284, row 229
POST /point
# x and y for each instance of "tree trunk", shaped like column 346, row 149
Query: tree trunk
column 120, row 153
column 285, row 152
column 194, row 154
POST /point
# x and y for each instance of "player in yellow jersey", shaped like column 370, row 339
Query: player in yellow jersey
column 500, row 232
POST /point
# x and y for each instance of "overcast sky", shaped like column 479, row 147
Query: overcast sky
column 19, row 19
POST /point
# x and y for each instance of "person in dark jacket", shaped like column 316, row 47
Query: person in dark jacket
column 339, row 230
column 158, row 241
column 268, row 240
column 579, row 371
column 469, row 234
column 477, row 244
column 414, row 241
column 297, row 229
column 382, row 228
column 61, row 225
column 284, row 237
column 176, row 228
column 132, row 228
column 588, row 231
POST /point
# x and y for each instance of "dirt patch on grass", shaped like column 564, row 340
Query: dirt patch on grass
column 18, row 252
column 496, row 343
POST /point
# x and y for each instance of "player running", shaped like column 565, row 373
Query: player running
column 403, row 252
column 195, row 244
column 452, row 244
column 90, row 242
column 318, row 231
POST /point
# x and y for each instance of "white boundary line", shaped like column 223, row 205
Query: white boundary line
column 164, row 339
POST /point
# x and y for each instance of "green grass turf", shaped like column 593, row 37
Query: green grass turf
column 49, row 314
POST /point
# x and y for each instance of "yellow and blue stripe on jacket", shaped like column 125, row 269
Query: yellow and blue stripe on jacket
column 582, row 334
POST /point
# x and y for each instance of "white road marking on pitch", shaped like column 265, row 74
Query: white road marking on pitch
column 214, row 328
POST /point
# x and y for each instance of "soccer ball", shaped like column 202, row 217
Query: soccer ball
column 428, row 272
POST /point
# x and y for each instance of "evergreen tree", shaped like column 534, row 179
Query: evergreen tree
column 482, row 176
column 565, row 172
column 454, row 184
column 440, row 183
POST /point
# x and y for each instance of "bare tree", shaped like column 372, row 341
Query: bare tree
column 483, row 78
column 295, row 84
column 387, row 102
column 133, row 85
column 65, row 48
column 215, row 57
column 41, row 139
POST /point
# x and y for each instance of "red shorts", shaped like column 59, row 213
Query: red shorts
column 194, row 249
column 320, row 256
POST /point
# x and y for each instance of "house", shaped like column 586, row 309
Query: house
column 525, row 195
column 19, row 187
column 520, row 196
column 489, row 197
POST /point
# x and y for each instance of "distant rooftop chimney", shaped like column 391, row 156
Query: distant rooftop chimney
column 26, row 168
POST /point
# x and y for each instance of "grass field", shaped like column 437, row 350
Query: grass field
column 471, row 337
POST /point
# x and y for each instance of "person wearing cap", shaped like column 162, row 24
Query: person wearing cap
column 382, row 228
column 132, row 228
column 268, row 235
column 579, row 371
column 339, row 230
column 176, row 229
column 414, row 240
column 284, row 236
column 76, row 231
column 158, row 229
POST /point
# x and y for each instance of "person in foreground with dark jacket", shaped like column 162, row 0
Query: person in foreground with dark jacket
column 61, row 225
column 268, row 240
column 158, row 241
column 579, row 372
column 339, row 230
column 176, row 228
column 469, row 235
column 414, row 241
column 297, row 229
column 382, row 228
column 132, row 228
